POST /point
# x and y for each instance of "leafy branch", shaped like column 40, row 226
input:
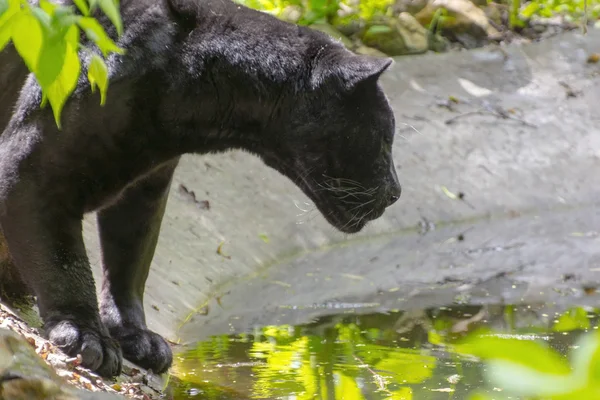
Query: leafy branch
column 47, row 37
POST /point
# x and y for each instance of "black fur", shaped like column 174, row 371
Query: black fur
column 199, row 76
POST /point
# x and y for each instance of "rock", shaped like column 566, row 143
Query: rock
column 413, row 33
column 291, row 14
column 386, row 39
column 438, row 43
column 24, row 375
column 334, row 33
column 399, row 37
column 348, row 25
column 409, row 6
column 496, row 13
column 465, row 17
column 369, row 51
column 348, row 18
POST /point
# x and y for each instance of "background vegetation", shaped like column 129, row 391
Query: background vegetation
column 328, row 11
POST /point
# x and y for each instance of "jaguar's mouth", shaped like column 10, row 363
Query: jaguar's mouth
column 346, row 211
column 347, row 205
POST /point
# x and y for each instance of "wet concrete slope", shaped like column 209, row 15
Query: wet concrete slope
column 512, row 131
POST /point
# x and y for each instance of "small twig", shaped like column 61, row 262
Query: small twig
column 452, row 120
column 584, row 20
column 379, row 381
column 497, row 112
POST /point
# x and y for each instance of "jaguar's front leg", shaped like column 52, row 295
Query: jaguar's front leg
column 46, row 244
column 129, row 232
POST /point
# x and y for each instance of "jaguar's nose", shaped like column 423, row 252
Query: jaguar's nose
column 394, row 189
column 394, row 195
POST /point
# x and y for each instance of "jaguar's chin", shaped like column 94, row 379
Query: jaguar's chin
column 348, row 209
column 346, row 216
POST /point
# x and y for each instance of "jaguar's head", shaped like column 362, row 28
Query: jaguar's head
column 337, row 145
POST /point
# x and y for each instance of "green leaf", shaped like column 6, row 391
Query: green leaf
column 43, row 17
column 111, row 9
column 530, row 9
column 534, row 355
column 523, row 381
column 64, row 84
column 586, row 357
column 378, row 29
column 4, row 6
column 5, row 34
column 98, row 35
column 318, row 6
column 9, row 9
column 82, row 6
column 48, row 7
column 63, row 19
column 27, row 38
column 51, row 60
column 98, row 75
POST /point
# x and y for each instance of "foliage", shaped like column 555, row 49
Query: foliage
column 320, row 11
column 572, row 10
column 532, row 370
column 327, row 11
column 48, row 40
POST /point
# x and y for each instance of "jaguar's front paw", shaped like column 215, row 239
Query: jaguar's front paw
column 99, row 352
column 144, row 348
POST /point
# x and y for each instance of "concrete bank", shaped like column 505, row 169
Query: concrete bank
column 514, row 130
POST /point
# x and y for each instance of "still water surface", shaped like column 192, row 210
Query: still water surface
column 392, row 356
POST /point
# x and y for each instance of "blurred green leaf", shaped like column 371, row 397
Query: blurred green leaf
column 8, row 11
column 111, row 9
column 51, row 59
column 586, row 357
column 98, row 75
column 4, row 5
column 27, row 38
column 47, row 7
column 97, row 34
column 65, row 82
column 82, row 6
column 376, row 29
column 534, row 355
column 525, row 381
column 43, row 18
column 530, row 9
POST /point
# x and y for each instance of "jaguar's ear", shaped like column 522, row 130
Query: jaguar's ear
column 347, row 69
column 185, row 12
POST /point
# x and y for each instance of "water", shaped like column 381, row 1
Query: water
column 395, row 355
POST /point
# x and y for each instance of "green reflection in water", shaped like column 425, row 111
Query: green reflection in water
column 398, row 355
